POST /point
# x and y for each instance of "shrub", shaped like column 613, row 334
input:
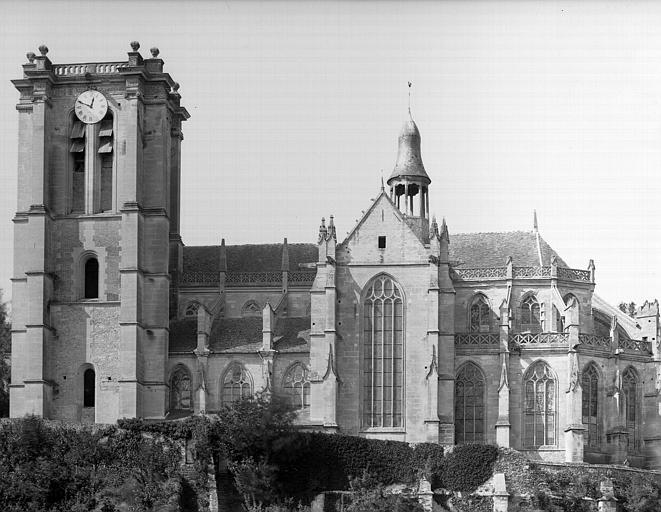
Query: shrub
column 467, row 467
column 52, row 467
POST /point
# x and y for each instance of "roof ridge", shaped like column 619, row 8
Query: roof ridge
column 493, row 232
column 250, row 244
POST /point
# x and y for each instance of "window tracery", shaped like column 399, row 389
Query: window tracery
column 236, row 384
column 191, row 309
column 469, row 411
column 530, row 314
column 480, row 314
column 296, row 384
column 540, row 406
column 383, row 350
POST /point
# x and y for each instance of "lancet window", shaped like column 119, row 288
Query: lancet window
column 630, row 405
column 590, row 405
column 89, row 388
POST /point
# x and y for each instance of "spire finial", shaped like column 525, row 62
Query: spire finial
column 331, row 228
column 444, row 231
column 410, row 97
column 535, row 226
column 382, row 180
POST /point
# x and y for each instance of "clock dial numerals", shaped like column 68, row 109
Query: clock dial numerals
column 91, row 107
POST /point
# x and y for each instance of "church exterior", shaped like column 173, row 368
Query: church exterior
column 402, row 331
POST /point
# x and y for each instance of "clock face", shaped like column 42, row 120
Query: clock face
column 91, row 107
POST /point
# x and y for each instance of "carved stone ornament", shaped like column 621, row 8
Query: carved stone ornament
column 30, row 56
column 43, row 49
column 175, row 86
column 135, row 46
column 154, row 52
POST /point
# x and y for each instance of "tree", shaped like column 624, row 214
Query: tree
column 5, row 354
column 628, row 308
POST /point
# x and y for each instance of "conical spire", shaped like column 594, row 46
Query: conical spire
column 433, row 230
column 409, row 159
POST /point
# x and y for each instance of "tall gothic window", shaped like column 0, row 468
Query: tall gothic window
column 383, row 351
column 590, row 385
column 296, row 384
column 469, row 415
column 530, row 314
column 89, row 388
column 180, row 389
column 539, row 407
column 236, row 384
column 630, row 405
column 480, row 315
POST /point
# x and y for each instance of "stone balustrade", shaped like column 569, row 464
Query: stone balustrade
column 475, row 339
column 499, row 273
column 99, row 68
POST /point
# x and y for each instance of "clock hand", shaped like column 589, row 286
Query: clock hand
column 93, row 98
column 90, row 106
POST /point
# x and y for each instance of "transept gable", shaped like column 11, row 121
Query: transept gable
column 382, row 235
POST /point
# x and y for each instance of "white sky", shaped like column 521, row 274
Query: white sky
column 296, row 108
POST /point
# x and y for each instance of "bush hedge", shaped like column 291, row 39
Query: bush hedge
column 467, row 467
column 47, row 466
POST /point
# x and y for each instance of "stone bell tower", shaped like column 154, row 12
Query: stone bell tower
column 409, row 182
column 96, row 236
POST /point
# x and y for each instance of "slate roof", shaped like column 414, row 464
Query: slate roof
column 477, row 250
column 248, row 258
column 183, row 334
column 292, row 335
column 467, row 250
column 241, row 334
